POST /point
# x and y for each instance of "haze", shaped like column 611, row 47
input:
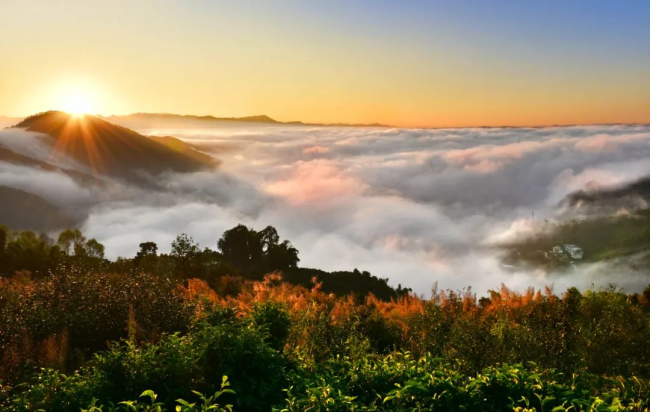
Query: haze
column 416, row 206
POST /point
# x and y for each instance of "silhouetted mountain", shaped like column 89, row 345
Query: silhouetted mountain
column 156, row 117
column 169, row 120
column 110, row 149
column 178, row 121
column 26, row 211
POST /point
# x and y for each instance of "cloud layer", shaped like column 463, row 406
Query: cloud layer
column 416, row 206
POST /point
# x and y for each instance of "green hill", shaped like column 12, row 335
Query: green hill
column 600, row 238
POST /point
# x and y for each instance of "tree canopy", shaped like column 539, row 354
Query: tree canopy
column 241, row 252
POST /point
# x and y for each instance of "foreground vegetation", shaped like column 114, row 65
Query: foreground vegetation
column 89, row 335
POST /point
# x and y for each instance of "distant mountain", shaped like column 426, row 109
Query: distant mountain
column 146, row 120
column 26, row 211
column 109, row 149
column 169, row 120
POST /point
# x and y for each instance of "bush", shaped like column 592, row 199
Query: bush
column 399, row 382
column 273, row 320
column 294, row 348
column 73, row 312
column 255, row 370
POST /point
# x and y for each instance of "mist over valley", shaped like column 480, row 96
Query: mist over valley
column 416, row 206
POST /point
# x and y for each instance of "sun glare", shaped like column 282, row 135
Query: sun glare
column 77, row 103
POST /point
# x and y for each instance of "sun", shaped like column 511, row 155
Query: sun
column 77, row 102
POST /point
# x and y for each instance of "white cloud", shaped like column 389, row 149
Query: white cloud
column 416, row 206
column 36, row 146
column 57, row 188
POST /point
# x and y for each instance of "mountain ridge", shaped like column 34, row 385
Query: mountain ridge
column 109, row 148
column 256, row 119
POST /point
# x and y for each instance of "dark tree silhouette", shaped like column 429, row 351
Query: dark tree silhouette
column 257, row 253
column 147, row 249
column 184, row 251
column 244, row 253
column 239, row 246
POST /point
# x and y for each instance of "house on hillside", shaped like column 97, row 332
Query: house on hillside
column 566, row 252
column 574, row 251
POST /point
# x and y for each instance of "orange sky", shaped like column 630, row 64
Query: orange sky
column 433, row 64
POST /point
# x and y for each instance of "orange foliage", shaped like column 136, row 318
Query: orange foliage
column 197, row 289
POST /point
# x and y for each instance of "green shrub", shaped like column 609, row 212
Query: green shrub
column 399, row 382
column 273, row 320
column 256, row 371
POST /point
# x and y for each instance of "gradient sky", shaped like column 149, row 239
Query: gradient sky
column 406, row 63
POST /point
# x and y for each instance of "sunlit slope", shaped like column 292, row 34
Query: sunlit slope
column 111, row 149
column 183, row 148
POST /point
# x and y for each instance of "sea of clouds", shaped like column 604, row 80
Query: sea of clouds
column 417, row 206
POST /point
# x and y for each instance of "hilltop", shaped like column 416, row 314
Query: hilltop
column 110, row 149
column 93, row 153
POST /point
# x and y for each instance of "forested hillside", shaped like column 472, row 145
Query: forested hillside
column 243, row 254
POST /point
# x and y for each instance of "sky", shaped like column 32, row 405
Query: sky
column 405, row 63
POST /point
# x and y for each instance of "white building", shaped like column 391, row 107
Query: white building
column 574, row 251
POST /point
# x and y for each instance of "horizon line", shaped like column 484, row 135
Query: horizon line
column 343, row 124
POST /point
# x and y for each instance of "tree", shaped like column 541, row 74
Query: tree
column 28, row 251
column 281, row 256
column 240, row 245
column 3, row 240
column 71, row 241
column 268, row 237
column 257, row 253
column 184, row 251
column 147, row 250
column 94, row 249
